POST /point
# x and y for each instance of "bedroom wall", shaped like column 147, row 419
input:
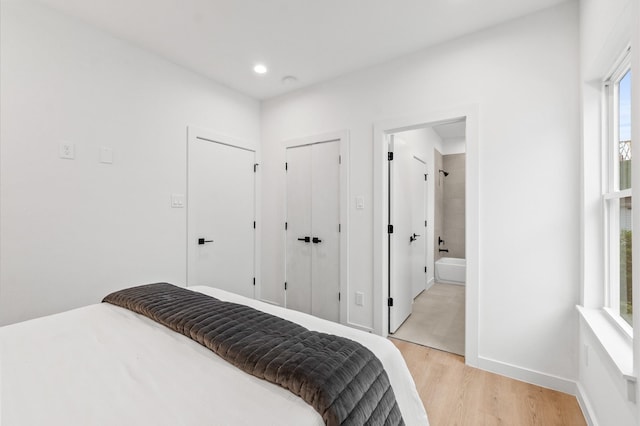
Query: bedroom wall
column 74, row 230
column 522, row 75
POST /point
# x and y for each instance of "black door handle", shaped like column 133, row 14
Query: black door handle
column 202, row 241
column 316, row 240
column 305, row 239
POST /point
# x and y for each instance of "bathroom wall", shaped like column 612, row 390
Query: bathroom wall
column 438, row 217
column 453, row 204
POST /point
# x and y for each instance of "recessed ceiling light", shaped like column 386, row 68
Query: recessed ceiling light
column 260, row 69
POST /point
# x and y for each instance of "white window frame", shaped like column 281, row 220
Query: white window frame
column 611, row 192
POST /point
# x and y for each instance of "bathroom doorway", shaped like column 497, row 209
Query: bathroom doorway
column 428, row 235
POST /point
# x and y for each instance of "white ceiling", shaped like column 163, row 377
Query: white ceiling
column 451, row 131
column 313, row 40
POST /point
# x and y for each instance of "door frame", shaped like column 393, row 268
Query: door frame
column 343, row 138
column 381, row 130
column 194, row 133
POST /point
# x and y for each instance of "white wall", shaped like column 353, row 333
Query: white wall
column 605, row 31
column 522, row 75
column 453, row 146
column 74, row 230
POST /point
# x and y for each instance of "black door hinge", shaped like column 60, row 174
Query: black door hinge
column 254, row 224
column 339, row 159
column 286, row 166
column 390, row 229
column 286, row 225
column 390, row 156
column 425, row 269
column 338, row 296
column 390, row 301
column 254, row 280
column 425, row 223
column 425, row 176
column 339, row 227
column 285, row 285
column 255, row 167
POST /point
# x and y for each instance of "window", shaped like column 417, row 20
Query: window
column 617, row 192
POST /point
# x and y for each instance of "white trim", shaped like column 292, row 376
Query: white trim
column 194, row 133
column 472, row 218
column 343, row 138
column 526, row 375
column 585, row 406
column 613, row 340
column 617, row 194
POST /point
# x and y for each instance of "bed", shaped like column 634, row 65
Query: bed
column 106, row 365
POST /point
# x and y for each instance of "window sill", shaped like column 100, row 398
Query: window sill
column 615, row 341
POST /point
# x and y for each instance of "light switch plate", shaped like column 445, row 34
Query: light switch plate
column 359, row 298
column 177, row 201
column 360, row 202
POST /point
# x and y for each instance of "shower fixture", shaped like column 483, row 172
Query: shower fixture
column 444, row 173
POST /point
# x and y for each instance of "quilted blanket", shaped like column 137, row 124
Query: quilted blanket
column 341, row 379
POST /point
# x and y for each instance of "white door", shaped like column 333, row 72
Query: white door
column 313, row 239
column 221, row 203
column 299, row 233
column 325, row 222
column 418, row 226
column 400, row 280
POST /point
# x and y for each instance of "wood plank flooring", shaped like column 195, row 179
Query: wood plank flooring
column 456, row 394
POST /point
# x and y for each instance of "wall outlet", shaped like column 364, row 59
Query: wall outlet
column 359, row 298
column 586, row 355
column 67, row 151
column 106, row 155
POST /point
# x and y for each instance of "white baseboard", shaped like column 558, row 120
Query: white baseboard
column 430, row 283
column 585, row 406
column 529, row 376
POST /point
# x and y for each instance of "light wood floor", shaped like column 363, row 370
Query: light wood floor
column 456, row 394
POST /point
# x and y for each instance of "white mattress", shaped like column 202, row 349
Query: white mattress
column 104, row 365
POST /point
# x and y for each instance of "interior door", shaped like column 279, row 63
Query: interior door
column 312, row 236
column 418, row 225
column 221, row 203
column 325, row 220
column 400, row 281
column 299, row 233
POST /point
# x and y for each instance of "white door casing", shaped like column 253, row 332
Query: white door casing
column 400, row 284
column 221, row 210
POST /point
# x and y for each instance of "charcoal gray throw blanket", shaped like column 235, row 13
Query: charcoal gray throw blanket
column 341, row 379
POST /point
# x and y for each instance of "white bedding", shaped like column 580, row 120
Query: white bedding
column 104, row 365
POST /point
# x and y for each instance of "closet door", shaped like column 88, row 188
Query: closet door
column 299, row 245
column 325, row 220
column 312, row 236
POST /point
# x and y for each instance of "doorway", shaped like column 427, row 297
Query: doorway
column 382, row 273
column 221, row 225
column 434, row 312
